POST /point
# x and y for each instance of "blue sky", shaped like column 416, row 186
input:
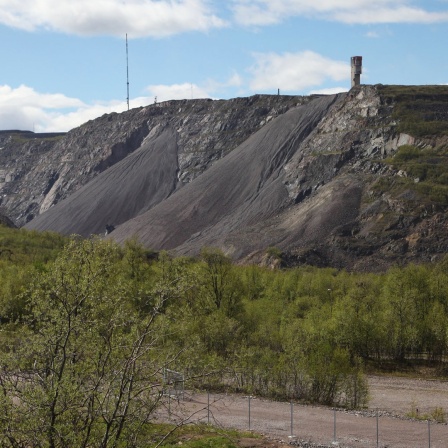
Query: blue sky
column 63, row 62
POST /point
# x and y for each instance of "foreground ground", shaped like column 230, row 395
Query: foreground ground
column 385, row 423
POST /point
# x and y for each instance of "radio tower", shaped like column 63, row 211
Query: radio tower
column 127, row 68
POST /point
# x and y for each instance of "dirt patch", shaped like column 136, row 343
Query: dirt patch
column 383, row 424
column 400, row 395
column 258, row 443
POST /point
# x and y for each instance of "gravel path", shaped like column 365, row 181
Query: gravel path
column 314, row 426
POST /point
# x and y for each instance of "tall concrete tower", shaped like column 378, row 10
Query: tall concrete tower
column 356, row 70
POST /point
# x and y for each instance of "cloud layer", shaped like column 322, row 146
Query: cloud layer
column 161, row 18
column 269, row 12
column 295, row 71
column 25, row 109
column 138, row 18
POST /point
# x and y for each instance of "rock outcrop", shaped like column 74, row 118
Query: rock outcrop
column 313, row 176
column 5, row 221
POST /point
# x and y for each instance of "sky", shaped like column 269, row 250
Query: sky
column 64, row 62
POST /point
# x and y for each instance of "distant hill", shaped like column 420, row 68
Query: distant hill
column 356, row 180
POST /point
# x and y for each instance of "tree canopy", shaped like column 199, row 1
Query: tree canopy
column 87, row 332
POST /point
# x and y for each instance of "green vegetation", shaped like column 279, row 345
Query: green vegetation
column 419, row 110
column 23, row 137
column 274, row 252
column 22, row 252
column 437, row 414
column 197, row 436
column 426, row 174
column 87, row 331
column 426, row 165
column 22, row 247
column 83, row 369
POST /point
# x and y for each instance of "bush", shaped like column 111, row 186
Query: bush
column 406, row 153
column 274, row 252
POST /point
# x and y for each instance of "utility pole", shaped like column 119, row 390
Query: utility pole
column 127, row 68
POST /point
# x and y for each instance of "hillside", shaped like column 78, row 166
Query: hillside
column 356, row 180
column 39, row 170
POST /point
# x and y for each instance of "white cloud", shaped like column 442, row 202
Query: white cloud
column 26, row 96
column 138, row 18
column 267, row 12
column 214, row 86
column 25, row 109
column 63, row 120
column 210, row 89
column 393, row 14
column 295, row 71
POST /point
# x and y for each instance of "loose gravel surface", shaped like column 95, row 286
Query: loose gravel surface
column 384, row 424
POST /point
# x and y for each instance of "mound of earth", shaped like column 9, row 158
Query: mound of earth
column 314, row 177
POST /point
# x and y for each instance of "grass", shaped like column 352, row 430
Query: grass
column 274, row 252
column 426, row 174
column 438, row 414
column 21, row 246
column 419, row 110
column 194, row 436
column 22, row 137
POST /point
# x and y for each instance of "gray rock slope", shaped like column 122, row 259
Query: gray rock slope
column 130, row 187
column 224, row 204
column 38, row 171
column 233, row 203
column 316, row 177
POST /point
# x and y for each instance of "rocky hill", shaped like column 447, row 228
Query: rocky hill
column 356, row 180
column 39, row 170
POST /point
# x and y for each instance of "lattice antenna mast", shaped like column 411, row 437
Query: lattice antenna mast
column 127, row 68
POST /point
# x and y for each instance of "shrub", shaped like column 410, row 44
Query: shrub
column 406, row 152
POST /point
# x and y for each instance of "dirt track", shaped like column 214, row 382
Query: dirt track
column 393, row 397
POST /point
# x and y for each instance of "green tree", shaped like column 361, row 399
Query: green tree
column 222, row 287
column 253, row 282
column 358, row 317
column 400, row 313
column 13, row 281
column 83, row 371
column 437, row 336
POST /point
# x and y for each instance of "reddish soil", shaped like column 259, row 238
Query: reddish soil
column 314, row 426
